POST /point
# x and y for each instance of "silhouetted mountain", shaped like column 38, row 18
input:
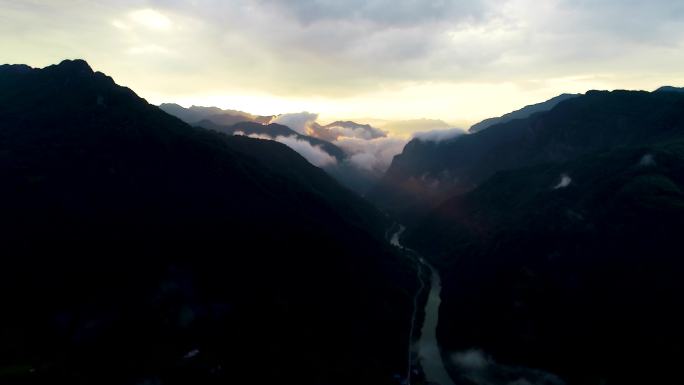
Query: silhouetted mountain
column 196, row 114
column 670, row 89
column 522, row 113
column 273, row 130
column 408, row 127
column 428, row 172
column 138, row 249
column 568, row 261
column 190, row 115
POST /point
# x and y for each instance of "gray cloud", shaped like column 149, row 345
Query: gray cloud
column 471, row 359
column 564, row 182
column 478, row 368
column 647, row 160
column 381, row 12
column 312, row 49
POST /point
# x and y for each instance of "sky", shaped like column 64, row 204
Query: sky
column 460, row 61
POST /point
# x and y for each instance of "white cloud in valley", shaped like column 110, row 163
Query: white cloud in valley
column 373, row 155
column 312, row 153
column 299, row 122
column 439, row 135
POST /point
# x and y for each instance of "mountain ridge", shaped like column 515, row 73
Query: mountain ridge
column 522, row 113
column 427, row 173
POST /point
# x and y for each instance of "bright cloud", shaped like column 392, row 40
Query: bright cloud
column 313, row 154
column 366, row 132
column 151, row 19
column 454, row 60
column 374, row 155
column 439, row 135
column 299, row 122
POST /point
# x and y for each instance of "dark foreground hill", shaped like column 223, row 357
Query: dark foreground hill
column 572, row 266
column 138, row 249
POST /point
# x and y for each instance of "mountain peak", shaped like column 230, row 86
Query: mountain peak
column 77, row 66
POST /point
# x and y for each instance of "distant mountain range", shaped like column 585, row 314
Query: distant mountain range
column 205, row 116
column 140, row 249
column 273, row 130
column 196, row 114
column 344, row 166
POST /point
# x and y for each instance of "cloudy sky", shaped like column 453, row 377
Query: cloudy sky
column 459, row 61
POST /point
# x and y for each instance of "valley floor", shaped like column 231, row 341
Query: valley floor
column 429, row 353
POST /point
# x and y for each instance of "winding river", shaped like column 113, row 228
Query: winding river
column 427, row 347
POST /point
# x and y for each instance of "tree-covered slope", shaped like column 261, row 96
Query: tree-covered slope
column 138, row 249
column 571, row 267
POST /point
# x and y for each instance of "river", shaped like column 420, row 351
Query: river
column 427, row 347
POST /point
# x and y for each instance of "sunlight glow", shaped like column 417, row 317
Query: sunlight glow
column 151, row 19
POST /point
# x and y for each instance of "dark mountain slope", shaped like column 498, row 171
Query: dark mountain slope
column 137, row 249
column 427, row 172
column 522, row 113
column 670, row 89
column 571, row 267
column 350, row 176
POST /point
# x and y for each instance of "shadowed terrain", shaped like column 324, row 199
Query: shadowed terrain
column 138, row 249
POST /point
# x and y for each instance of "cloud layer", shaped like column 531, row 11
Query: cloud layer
column 439, row 135
column 354, row 130
column 299, row 122
column 368, row 149
column 374, row 155
column 448, row 59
